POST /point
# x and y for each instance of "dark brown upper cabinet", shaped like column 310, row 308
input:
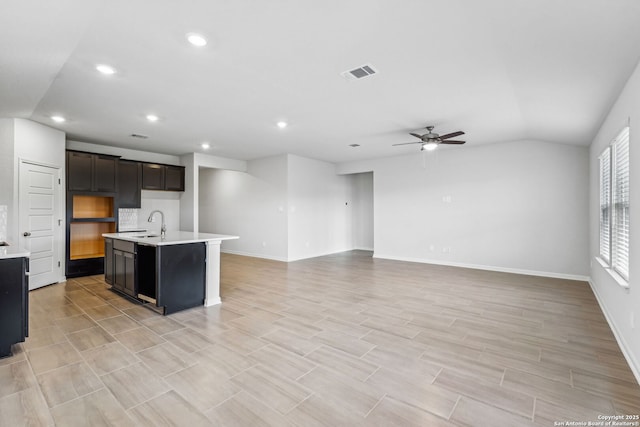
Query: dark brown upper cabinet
column 92, row 172
column 174, row 178
column 153, row 176
column 129, row 184
column 162, row 177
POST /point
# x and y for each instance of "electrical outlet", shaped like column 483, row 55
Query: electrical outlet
column 264, row 244
column 432, row 248
column 446, row 199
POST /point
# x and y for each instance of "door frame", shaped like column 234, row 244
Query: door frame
column 60, row 195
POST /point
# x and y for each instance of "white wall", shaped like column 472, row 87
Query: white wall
column 166, row 201
column 6, row 163
column 194, row 162
column 251, row 204
column 284, row 207
column 22, row 139
column 621, row 306
column 519, row 206
column 361, row 210
column 319, row 209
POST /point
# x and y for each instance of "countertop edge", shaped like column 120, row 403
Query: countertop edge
column 170, row 240
column 15, row 253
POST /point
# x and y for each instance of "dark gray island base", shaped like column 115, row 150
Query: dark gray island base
column 14, row 302
column 172, row 277
column 173, row 273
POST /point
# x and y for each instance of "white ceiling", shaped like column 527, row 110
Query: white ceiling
column 501, row 70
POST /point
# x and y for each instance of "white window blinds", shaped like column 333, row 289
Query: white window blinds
column 605, row 203
column 620, row 201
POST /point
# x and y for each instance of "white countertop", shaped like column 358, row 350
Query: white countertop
column 171, row 238
column 13, row 252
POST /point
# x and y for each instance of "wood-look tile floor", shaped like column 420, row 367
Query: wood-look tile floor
column 340, row 340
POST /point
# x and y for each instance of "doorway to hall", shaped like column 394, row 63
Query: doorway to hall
column 362, row 208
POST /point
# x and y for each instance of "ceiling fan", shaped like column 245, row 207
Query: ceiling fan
column 431, row 140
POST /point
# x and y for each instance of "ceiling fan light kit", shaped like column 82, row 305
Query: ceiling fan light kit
column 431, row 140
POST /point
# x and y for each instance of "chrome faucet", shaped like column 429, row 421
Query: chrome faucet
column 163, row 228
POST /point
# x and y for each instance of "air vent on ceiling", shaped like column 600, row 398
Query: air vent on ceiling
column 137, row 135
column 360, row 72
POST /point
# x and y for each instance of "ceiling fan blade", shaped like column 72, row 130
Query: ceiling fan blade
column 452, row 134
column 407, row 143
column 416, row 135
column 452, row 142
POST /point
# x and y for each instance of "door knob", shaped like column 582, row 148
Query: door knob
column 26, row 234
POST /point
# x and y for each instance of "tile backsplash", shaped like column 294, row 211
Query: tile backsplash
column 3, row 222
column 127, row 219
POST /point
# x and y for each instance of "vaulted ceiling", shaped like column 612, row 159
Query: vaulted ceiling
column 500, row 70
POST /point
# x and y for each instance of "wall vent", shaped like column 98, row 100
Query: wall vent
column 137, row 135
column 360, row 72
column 354, row 145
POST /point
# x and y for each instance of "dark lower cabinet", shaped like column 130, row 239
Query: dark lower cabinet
column 124, row 267
column 172, row 277
column 14, row 303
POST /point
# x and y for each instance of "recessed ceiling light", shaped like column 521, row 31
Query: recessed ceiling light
column 205, row 145
column 152, row 117
column 58, row 119
column 196, row 39
column 282, row 125
column 106, row 69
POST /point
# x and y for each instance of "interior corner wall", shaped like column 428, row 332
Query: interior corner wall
column 251, row 204
column 516, row 206
column 621, row 306
column 319, row 209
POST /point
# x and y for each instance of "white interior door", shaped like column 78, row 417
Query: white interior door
column 41, row 222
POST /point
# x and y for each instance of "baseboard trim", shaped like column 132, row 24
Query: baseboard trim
column 253, row 255
column 634, row 364
column 486, row 267
column 319, row 255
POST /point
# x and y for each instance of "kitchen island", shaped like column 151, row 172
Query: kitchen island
column 176, row 271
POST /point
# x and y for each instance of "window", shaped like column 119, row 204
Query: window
column 614, row 205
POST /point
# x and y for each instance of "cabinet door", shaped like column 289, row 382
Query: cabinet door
column 104, row 173
column 129, row 273
column 174, row 178
column 12, row 303
column 153, row 176
column 108, row 261
column 129, row 184
column 118, row 270
column 79, row 171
